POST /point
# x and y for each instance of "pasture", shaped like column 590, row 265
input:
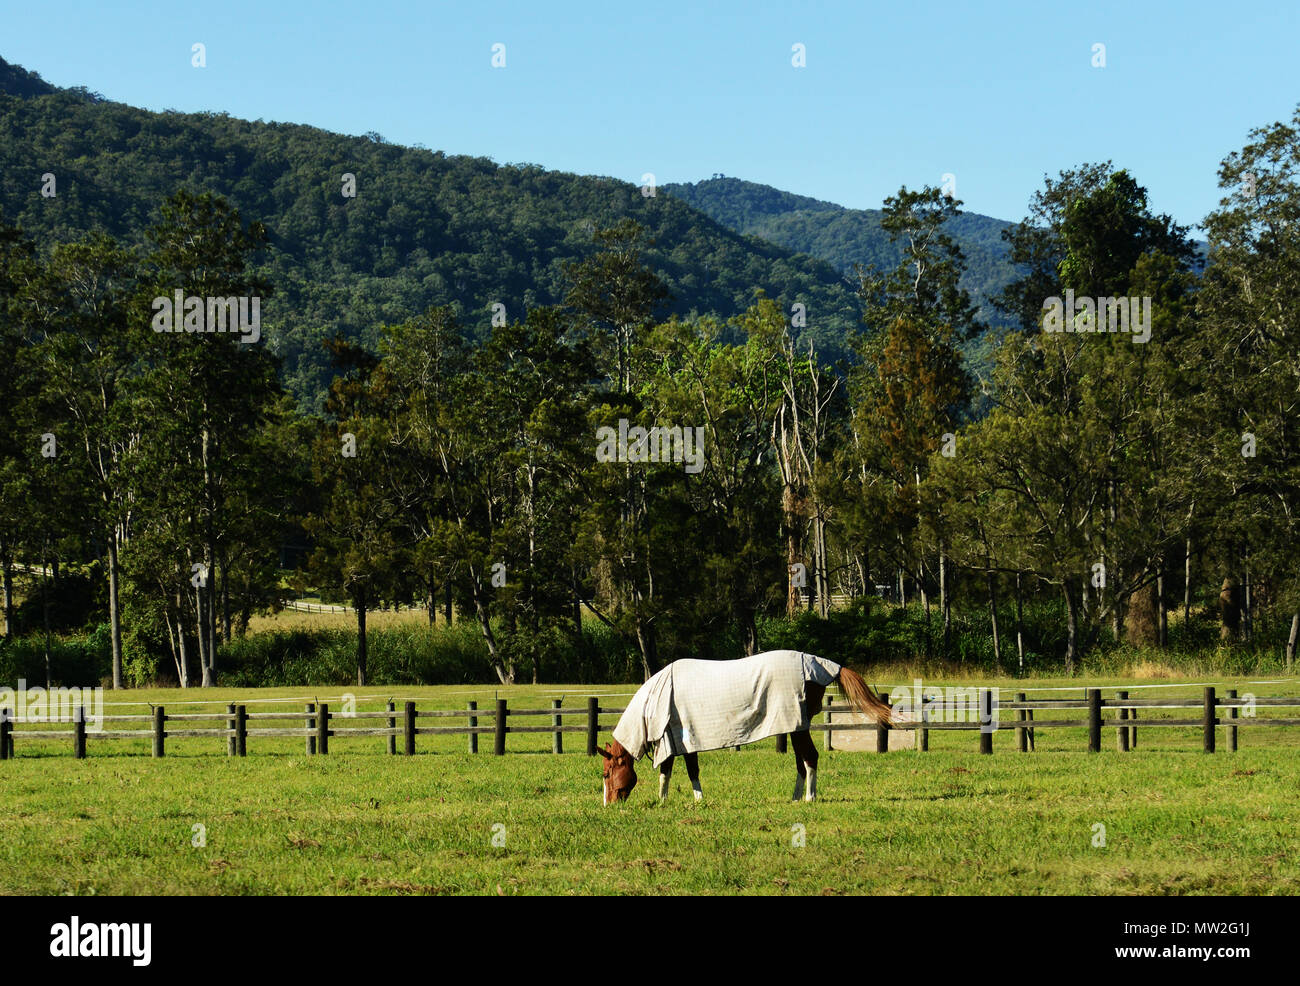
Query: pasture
column 358, row 821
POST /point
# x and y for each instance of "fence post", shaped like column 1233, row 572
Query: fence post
column 593, row 724
column 473, row 724
column 1207, row 720
column 311, row 729
column 410, row 729
column 500, row 746
column 1094, row 720
column 230, row 724
column 829, row 700
column 882, row 733
column 780, row 742
column 923, row 741
column 241, row 730
column 323, row 729
column 392, row 724
column 986, row 720
column 1121, row 734
column 79, row 733
column 6, row 727
column 159, row 717
column 557, row 745
column 1022, row 734
column 1232, row 730
column 1132, row 730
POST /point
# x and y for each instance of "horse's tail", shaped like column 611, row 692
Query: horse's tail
column 863, row 698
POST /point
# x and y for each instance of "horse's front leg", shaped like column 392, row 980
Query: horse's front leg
column 665, row 775
column 693, row 772
column 805, row 761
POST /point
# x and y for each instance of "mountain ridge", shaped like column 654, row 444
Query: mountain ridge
column 845, row 237
column 424, row 228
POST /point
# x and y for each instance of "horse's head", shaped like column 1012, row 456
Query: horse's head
column 619, row 775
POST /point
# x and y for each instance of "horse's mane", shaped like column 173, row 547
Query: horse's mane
column 863, row 698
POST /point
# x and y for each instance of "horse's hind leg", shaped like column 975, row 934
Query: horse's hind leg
column 693, row 772
column 801, row 772
column 805, row 761
column 665, row 775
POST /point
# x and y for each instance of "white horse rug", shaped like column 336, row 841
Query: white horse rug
column 692, row 706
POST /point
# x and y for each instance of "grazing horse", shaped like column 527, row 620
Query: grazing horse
column 691, row 706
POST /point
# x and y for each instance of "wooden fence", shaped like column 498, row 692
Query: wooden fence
column 1124, row 722
column 299, row 606
column 316, row 725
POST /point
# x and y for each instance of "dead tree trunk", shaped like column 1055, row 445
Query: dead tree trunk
column 114, row 609
column 1020, row 624
column 361, row 603
column 1229, row 610
column 993, row 617
column 1291, row 641
column 1072, row 654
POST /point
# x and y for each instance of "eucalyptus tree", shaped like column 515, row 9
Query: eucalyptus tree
column 911, row 389
column 619, row 295
column 424, row 360
column 213, row 386
column 1249, row 303
column 730, row 394
column 1086, row 443
column 1121, row 259
column 20, row 434
column 357, row 520
column 452, row 478
column 801, row 397
column 616, row 294
column 86, row 352
column 537, row 382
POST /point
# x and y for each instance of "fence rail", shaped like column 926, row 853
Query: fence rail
column 302, row 606
column 236, row 725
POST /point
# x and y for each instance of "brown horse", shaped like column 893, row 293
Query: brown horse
column 683, row 712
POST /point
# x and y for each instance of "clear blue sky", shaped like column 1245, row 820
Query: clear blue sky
column 995, row 93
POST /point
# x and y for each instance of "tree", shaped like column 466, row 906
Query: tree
column 726, row 567
column 925, row 284
column 1249, row 304
column 219, row 386
column 911, row 389
column 618, row 293
column 19, row 436
column 1085, row 446
column 360, row 545
column 211, row 391
column 86, row 351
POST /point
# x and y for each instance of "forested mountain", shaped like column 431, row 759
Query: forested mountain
column 844, row 237
column 424, row 228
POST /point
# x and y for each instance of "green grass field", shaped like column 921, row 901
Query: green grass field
column 1176, row 821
